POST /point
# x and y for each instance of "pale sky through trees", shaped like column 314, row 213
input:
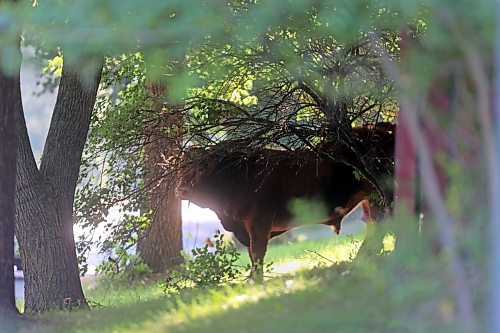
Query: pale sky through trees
column 37, row 109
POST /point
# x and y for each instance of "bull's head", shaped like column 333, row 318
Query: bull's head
column 196, row 165
column 191, row 176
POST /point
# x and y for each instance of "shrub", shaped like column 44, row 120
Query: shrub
column 207, row 267
column 128, row 265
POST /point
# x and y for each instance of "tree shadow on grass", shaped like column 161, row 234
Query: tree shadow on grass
column 110, row 319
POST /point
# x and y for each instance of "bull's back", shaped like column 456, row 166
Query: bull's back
column 333, row 182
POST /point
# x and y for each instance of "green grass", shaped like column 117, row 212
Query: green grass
column 108, row 292
column 335, row 249
column 301, row 254
column 319, row 296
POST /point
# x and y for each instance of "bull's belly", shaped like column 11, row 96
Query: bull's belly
column 283, row 228
column 283, row 224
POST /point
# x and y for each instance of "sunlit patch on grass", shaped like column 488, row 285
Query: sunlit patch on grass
column 290, row 267
column 238, row 300
column 214, row 303
column 389, row 243
column 325, row 256
column 345, row 252
column 103, row 291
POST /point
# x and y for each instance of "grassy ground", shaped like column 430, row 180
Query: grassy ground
column 319, row 292
column 287, row 259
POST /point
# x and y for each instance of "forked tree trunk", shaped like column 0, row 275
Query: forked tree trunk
column 45, row 200
column 160, row 247
column 10, row 105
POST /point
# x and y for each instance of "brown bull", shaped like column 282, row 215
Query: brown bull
column 251, row 193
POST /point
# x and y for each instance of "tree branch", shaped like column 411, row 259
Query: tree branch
column 68, row 130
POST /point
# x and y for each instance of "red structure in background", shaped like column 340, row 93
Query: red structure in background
column 406, row 167
column 405, row 154
column 406, row 173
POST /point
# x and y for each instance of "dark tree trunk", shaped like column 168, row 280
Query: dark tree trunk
column 45, row 200
column 10, row 106
column 160, row 248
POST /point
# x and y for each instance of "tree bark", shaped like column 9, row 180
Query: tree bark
column 10, row 105
column 45, row 199
column 160, row 247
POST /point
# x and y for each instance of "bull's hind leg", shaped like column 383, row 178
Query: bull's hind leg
column 259, row 238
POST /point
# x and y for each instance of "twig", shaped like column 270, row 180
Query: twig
column 320, row 255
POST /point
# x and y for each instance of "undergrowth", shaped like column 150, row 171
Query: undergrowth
column 207, row 267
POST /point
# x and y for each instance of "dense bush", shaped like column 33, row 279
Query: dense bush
column 208, row 268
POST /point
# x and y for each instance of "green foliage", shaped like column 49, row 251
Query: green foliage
column 112, row 168
column 307, row 211
column 207, row 268
column 121, row 247
column 124, row 264
column 166, row 31
column 54, row 66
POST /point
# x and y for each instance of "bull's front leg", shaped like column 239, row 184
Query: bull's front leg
column 259, row 238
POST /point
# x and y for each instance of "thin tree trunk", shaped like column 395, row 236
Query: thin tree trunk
column 10, row 104
column 160, row 248
column 45, row 200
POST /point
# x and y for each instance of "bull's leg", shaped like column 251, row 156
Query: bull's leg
column 340, row 213
column 374, row 235
column 367, row 214
column 257, row 250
